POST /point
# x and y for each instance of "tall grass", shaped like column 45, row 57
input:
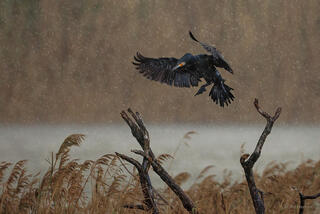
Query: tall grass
column 106, row 184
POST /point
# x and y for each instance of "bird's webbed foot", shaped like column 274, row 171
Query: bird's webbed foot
column 202, row 89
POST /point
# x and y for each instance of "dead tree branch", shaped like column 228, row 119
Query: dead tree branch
column 186, row 201
column 247, row 161
column 140, row 132
column 146, row 186
column 305, row 197
column 131, row 206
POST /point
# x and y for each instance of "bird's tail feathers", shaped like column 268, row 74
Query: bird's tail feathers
column 221, row 94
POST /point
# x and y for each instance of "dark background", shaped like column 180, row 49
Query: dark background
column 70, row 61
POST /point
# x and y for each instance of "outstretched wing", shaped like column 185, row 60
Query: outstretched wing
column 218, row 59
column 161, row 70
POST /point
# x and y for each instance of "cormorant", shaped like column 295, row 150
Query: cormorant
column 188, row 71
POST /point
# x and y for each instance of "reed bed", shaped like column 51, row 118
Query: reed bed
column 106, row 184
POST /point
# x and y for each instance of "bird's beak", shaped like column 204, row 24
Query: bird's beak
column 178, row 66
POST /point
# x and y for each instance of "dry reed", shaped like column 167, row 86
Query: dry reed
column 105, row 185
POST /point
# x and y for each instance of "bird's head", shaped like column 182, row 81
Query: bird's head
column 187, row 59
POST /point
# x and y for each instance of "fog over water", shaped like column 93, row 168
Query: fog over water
column 211, row 145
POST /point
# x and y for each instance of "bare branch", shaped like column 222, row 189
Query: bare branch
column 137, row 117
column 247, row 161
column 139, row 152
column 305, row 197
column 140, row 132
column 134, row 128
column 130, row 160
column 124, row 166
column 185, row 199
column 133, row 206
column 267, row 130
column 266, row 115
column 145, row 183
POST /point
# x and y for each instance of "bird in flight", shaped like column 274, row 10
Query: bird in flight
column 189, row 70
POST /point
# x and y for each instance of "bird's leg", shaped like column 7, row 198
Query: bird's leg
column 202, row 89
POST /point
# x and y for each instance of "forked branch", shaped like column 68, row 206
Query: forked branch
column 140, row 132
column 247, row 161
column 305, row 197
column 145, row 186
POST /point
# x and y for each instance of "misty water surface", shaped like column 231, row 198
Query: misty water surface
column 211, row 145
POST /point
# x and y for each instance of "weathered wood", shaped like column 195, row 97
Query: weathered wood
column 156, row 166
column 247, row 161
column 305, row 197
column 146, row 186
column 141, row 134
column 134, row 206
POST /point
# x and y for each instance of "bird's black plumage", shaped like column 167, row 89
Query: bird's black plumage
column 217, row 58
column 188, row 71
column 161, row 70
